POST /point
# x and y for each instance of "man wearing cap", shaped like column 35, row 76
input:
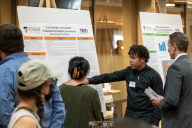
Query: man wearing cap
column 12, row 57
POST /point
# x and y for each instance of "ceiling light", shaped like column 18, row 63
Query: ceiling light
column 170, row 5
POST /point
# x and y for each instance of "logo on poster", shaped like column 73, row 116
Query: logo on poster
column 146, row 28
column 35, row 30
column 26, row 30
column 83, row 30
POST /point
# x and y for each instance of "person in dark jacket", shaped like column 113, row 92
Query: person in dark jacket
column 176, row 102
column 138, row 77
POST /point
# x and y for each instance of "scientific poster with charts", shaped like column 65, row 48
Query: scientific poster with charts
column 56, row 44
column 155, row 33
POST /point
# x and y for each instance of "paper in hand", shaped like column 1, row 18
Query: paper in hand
column 150, row 93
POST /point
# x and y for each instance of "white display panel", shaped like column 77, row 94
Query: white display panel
column 57, row 35
column 156, row 29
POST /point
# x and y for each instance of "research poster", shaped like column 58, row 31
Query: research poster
column 56, row 44
column 155, row 33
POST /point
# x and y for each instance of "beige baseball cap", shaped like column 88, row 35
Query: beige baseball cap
column 34, row 73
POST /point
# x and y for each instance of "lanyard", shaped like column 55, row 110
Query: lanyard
column 29, row 110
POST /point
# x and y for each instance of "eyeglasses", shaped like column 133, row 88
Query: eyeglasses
column 54, row 81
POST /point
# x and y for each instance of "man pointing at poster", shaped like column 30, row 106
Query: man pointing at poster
column 138, row 77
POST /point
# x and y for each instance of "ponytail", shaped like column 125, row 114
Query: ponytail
column 39, row 104
column 78, row 67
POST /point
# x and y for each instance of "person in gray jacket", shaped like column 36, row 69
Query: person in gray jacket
column 177, row 101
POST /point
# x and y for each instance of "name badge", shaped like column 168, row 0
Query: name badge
column 132, row 84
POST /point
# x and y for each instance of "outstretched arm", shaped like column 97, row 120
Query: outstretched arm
column 105, row 78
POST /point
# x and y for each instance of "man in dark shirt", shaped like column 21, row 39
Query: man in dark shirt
column 138, row 77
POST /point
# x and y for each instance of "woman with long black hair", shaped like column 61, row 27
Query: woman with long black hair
column 81, row 102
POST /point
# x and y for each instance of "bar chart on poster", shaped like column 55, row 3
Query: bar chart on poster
column 155, row 33
column 162, row 46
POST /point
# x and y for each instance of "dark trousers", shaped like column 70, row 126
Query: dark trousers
column 1, row 126
column 129, row 115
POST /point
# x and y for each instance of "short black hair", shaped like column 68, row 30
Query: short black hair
column 140, row 51
column 82, row 66
column 11, row 39
column 181, row 40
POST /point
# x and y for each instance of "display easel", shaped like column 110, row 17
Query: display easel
column 153, row 4
column 49, row 3
column 38, row 16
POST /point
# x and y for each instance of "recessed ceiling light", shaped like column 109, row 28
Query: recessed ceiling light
column 170, row 5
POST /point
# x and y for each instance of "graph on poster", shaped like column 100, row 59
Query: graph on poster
column 162, row 46
column 161, row 43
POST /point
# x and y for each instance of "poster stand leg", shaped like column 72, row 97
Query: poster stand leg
column 153, row 4
column 41, row 2
column 49, row 3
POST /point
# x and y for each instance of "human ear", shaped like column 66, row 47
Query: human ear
column 174, row 46
column 143, row 59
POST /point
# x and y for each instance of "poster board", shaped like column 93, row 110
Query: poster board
column 156, row 29
column 57, row 35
